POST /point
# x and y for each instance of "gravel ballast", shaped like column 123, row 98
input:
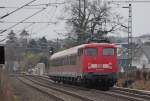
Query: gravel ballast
column 22, row 92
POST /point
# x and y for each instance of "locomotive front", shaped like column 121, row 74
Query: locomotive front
column 99, row 64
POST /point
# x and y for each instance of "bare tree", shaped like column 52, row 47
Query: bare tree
column 43, row 43
column 24, row 38
column 12, row 39
column 92, row 19
column 11, row 51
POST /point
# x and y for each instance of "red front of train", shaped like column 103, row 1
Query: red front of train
column 94, row 63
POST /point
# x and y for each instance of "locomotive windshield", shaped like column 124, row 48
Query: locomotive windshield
column 108, row 51
column 91, row 51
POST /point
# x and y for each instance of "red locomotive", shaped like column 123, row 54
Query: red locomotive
column 89, row 64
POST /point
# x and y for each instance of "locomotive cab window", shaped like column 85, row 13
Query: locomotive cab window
column 91, row 51
column 108, row 51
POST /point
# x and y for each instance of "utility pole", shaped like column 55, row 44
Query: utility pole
column 130, row 49
column 130, row 36
column 129, row 56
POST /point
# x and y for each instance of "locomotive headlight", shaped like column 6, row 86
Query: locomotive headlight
column 92, row 65
column 107, row 65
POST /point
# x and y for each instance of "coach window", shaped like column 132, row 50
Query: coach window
column 91, row 51
column 67, row 58
column 53, row 63
column 108, row 51
column 80, row 51
column 56, row 62
column 62, row 61
column 65, row 61
column 75, row 59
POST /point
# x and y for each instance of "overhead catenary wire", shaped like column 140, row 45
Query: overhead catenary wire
column 48, row 4
column 130, row 40
column 28, row 48
column 30, row 6
column 31, row 24
column 22, row 21
column 17, row 31
column 28, row 22
column 14, row 7
column 47, row 23
column 54, row 10
column 129, row 1
column 4, row 16
column 3, row 39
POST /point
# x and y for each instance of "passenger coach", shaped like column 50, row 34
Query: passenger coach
column 89, row 64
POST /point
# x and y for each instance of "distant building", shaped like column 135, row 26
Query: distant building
column 122, row 57
column 144, row 38
column 141, row 58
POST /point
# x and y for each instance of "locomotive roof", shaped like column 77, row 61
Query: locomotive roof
column 74, row 50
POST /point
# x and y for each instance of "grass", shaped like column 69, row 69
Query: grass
column 141, row 84
column 140, row 79
column 137, row 84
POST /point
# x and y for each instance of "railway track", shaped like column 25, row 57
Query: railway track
column 58, row 93
column 48, row 81
column 139, row 94
column 39, row 89
column 129, row 94
column 126, row 95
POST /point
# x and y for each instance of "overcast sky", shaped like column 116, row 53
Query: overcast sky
column 141, row 18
